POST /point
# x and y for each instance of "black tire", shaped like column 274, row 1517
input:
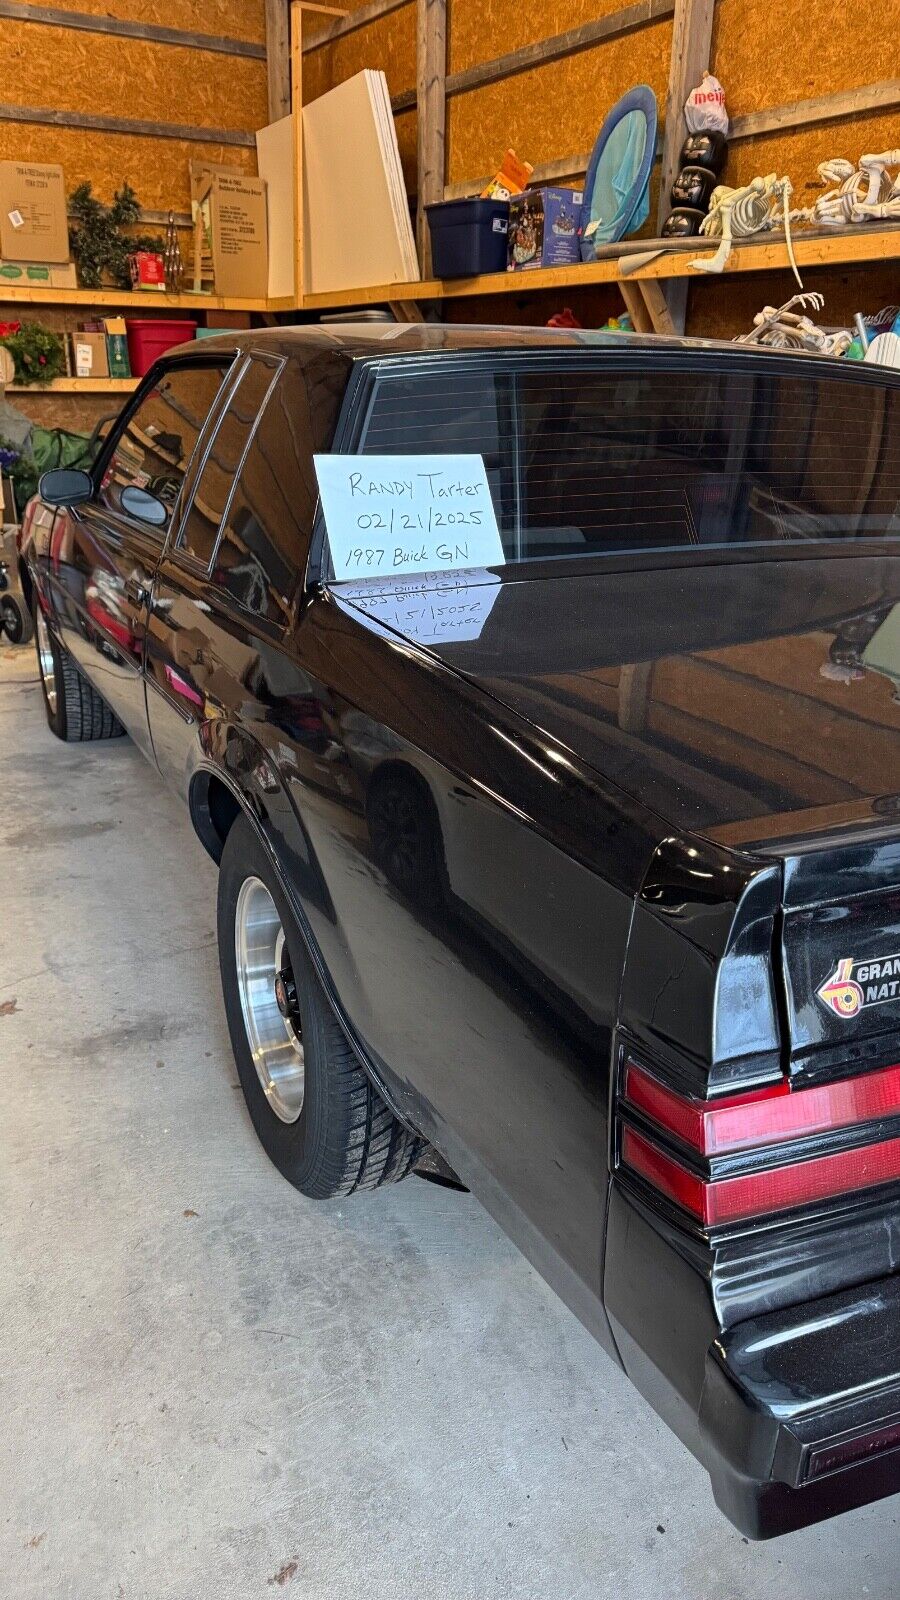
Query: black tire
column 79, row 713
column 15, row 619
column 345, row 1138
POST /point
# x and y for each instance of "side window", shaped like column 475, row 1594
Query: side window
column 265, row 536
column 222, row 462
column 154, row 448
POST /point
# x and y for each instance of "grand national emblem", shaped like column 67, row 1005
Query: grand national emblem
column 856, row 984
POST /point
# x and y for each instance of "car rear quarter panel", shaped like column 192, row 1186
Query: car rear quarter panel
column 485, row 1000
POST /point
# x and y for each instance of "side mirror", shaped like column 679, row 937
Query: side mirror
column 65, row 486
column 143, row 506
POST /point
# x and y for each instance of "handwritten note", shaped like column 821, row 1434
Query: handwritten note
column 435, row 612
column 400, row 514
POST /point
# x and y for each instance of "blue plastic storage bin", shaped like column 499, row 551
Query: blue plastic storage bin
column 468, row 237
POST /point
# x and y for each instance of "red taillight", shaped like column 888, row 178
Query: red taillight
column 753, row 1121
column 764, row 1116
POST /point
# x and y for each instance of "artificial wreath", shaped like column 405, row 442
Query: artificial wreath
column 99, row 246
column 38, row 353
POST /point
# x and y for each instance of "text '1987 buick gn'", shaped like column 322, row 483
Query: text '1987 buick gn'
column 537, row 694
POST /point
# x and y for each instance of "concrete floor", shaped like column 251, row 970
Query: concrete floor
column 212, row 1388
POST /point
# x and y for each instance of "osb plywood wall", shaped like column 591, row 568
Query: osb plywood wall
column 765, row 55
column 63, row 70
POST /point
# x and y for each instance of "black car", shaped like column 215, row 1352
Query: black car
column 576, row 871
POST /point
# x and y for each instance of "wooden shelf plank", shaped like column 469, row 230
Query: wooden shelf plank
column 131, row 300
column 854, row 246
column 845, row 248
column 461, row 288
column 77, row 386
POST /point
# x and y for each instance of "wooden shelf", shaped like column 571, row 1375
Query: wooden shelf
column 845, row 248
column 855, row 246
column 77, row 386
column 526, row 282
column 35, row 295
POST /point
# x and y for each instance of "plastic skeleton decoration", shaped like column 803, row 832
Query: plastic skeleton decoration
column 738, row 213
column 863, row 194
column 785, row 329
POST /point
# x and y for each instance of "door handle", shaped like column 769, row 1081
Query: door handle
column 137, row 593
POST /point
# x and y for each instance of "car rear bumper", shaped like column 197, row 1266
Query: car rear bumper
column 795, row 1413
column 800, row 1410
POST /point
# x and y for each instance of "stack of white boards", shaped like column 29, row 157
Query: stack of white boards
column 356, row 224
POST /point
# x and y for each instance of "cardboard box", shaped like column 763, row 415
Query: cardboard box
column 33, row 222
column 240, row 237
column 116, row 347
column 89, row 355
column 543, row 228
column 45, row 273
column 114, row 332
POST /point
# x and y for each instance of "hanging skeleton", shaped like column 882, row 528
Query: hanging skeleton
column 738, row 213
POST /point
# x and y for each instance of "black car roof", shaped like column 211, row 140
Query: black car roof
column 350, row 341
column 361, row 339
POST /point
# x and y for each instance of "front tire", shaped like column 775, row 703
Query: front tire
column 317, row 1114
column 75, row 711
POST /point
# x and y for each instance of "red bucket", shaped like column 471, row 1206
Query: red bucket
column 150, row 337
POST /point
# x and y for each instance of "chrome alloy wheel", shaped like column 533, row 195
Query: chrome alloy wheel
column 263, row 982
column 45, row 659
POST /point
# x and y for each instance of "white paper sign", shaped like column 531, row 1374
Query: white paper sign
column 439, row 611
column 396, row 514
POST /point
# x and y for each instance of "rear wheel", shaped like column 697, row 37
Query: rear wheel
column 15, row 619
column 74, row 709
column 318, row 1116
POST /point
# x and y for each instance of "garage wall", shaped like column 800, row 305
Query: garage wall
column 765, row 55
column 63, row 71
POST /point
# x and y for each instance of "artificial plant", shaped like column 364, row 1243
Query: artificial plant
column 98, row 243
column 38, row 353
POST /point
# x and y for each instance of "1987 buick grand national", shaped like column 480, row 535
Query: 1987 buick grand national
column 576, row 859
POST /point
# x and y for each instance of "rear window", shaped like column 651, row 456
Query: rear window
column 583, row 461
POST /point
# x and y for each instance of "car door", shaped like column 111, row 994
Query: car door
column 114, row 541
column 202, row 655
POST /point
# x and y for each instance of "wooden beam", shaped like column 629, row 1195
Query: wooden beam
column 86, row 22
column 147, row 130
column 883, row 96
column 636, row 307
column 278, row 59
column 297, row 141
column 431, row 103
column 360, row 17
column 614, row 26
column 659, row 310
column 691, row 45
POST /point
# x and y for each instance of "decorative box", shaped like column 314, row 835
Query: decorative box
column 148, row 271
column 543, row 229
